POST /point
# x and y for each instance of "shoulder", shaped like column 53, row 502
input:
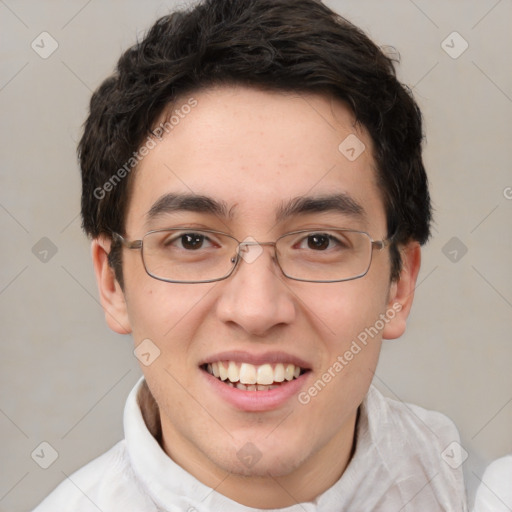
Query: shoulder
column 401, row 417
column 419, row 448
column 105, row 483
column 500, row 468
column 495, row 491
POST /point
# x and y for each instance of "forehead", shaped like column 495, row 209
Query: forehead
column 256, row 152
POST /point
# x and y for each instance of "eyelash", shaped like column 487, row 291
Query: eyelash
column 179, row 237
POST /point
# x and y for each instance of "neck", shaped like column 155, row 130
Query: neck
column 312, row 477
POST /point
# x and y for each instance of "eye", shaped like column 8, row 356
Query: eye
column 318, row 241
column 321, row 242
column 188, row 241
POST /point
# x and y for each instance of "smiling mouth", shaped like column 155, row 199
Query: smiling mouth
column 249, row 377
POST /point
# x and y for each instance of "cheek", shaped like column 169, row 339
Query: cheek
column 341, row 311
column 164, row 311
column 345, row 319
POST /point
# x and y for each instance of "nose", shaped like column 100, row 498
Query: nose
column 255, row 297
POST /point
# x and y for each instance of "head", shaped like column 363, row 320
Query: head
column 231, row 117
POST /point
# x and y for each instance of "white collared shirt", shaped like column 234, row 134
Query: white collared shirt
column 402, row 462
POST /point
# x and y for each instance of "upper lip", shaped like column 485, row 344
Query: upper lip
column 256, row 359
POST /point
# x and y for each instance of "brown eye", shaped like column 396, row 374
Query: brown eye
column 318, row 242
column 186, row 241
column 192, row 241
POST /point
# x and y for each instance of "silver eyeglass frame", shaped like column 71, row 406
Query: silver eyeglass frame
column 139, row 244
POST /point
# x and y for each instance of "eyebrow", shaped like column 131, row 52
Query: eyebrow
column 169, row 203
column 341, row 203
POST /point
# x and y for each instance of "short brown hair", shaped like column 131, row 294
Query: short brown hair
column 294, row 45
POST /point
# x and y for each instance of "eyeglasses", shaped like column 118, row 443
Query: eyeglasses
column 188, row 255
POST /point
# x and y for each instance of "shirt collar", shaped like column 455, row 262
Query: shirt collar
column 170, row 486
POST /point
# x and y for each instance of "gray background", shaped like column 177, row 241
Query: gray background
column 65, row 376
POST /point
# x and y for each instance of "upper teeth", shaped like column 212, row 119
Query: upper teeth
column 247, row 373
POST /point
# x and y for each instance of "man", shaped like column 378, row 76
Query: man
column 255, row 194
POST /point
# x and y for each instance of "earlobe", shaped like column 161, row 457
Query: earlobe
column 401, row 292
column 111, row 295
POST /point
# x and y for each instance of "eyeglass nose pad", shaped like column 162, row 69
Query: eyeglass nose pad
column 249, row 249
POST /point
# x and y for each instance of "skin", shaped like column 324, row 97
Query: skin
column 231, row 147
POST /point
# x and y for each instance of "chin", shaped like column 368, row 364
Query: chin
column 251, row 461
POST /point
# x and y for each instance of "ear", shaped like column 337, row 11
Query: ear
column 111, row 295
column 401, row 292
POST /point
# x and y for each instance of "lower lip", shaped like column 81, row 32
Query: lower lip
column 256, row 401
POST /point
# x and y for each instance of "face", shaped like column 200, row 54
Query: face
column 254, row 153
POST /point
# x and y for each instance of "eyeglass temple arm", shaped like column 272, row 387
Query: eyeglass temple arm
column 382, row 244
column 135, row 244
